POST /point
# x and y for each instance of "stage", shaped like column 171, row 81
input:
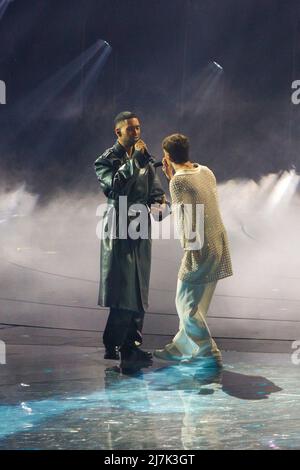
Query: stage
column 57, row 392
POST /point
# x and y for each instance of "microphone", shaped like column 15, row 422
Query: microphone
column 157, row 164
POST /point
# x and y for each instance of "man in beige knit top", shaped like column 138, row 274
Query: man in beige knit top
column 206, row 256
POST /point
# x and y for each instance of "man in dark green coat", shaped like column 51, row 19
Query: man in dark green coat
column 126, row 174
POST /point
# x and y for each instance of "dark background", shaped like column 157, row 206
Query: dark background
column 246, row 128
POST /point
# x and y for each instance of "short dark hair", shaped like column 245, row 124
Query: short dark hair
column 123, row 116
column 177, row 146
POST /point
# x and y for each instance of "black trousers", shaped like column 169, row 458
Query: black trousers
column 123, row 328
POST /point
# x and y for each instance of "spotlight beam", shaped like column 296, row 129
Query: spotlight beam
column 95, row 70
column 283, row 191
column 40, row 97
column 32, row 106
column 56, row 129
column 3, row 6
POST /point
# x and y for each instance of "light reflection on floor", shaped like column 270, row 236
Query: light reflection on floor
column 69, row 398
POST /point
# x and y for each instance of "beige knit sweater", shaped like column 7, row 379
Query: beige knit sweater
column 193, row 186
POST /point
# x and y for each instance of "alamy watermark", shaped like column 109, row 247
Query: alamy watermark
column 295, row 357
column 295, row 97
column 2, row 92
column 2, row 352
column 122, row 220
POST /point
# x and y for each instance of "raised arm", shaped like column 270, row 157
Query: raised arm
column 116, row 178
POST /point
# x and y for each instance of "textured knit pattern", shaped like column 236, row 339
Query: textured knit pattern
column 212, row 262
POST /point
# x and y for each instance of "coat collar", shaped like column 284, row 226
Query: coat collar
column 189, row 171
column 119, row 150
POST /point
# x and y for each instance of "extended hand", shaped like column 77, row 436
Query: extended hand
column 160, row 211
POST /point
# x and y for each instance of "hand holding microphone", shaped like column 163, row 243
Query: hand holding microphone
column 146, row 158
column 142, row 156
column 140, row 145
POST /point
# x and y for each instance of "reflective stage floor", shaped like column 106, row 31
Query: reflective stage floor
column 67, row 397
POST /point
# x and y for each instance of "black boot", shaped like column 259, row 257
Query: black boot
column 131, row 355
column 143, row 354
column 112, row 352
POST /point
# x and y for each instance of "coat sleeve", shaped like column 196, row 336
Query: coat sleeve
column 157, row 194
column 115, row 178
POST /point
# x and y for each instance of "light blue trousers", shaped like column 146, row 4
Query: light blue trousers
column 193, row 338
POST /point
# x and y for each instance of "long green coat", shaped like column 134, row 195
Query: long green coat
column 125, row 263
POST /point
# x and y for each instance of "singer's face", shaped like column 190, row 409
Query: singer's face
column 130, row 131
